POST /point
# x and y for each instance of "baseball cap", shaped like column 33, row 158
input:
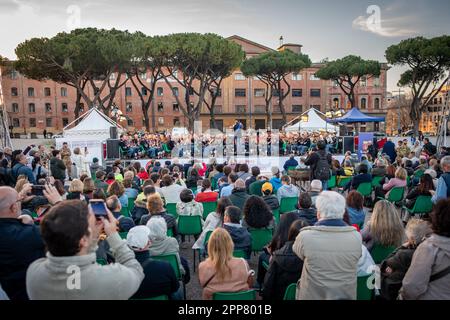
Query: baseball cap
column 316, row 185
column 137, row 238
column 275, row 170
column 267, row 186
column 95, row 160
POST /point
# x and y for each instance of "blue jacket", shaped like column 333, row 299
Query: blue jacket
column 242, row 239
column 357, row 180
column 389, row 149
column 20, row 245
column 443, row 188
column 276, row 183
column 290, row 163
column 19, row 169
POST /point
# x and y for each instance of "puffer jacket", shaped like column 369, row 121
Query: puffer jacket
column 238, row 198
column 431, row 257
column 272, row 201
column 330, row 257
column 139, row 210
column 284, row 269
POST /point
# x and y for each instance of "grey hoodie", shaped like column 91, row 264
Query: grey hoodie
column 55, row 278
column 287, row 191
column 432, row 256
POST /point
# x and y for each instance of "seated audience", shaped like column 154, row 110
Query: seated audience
column 239, row 195
column 270, row 199
column 257, row 214
column 241, row 237
column 305, row 209
column 114, row 205
column 206, row 194
column 355, row 208
column 287, row 190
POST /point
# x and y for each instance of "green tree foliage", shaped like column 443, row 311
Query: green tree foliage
column 347, row 72
column 428, row 61
column 272, row 68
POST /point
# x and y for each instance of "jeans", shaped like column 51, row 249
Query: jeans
column 151, row 152
column 302, row 149
column 132, row 151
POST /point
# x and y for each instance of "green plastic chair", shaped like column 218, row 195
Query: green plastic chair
column 260, row 238
column 362, row 290
column 276, row 215
column 365, row 189
column 124, row 211
column 190, row 226
column 332, row 182
column 163, row 297
column 291, row 169
column 419, row 173
column 169, row 232
column 244, row 295
column 214, row 184
column 344, row 181
column 265, row 265
column 288, row 204
column 131, row 204
column 379, row 252
column 123, row 235
column 376, row 181
column 173, row 261
column 102, row 262
column 423, row 205
column 208, row 207
column 239, row 254
column 172, row 209
column 255, row 188
column 289, row 294
column 395, row 194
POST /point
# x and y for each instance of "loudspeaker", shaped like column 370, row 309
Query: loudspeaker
column 340, row 145
column 113, row 132
column 349, row 144
column 112, row 148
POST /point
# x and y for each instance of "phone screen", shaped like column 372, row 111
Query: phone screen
column 37, row 190
column 98, row 208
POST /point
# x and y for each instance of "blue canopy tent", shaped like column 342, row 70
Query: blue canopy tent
column 356, row 116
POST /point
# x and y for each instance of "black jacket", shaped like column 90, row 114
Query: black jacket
column 139, row 210
column 271, row 201
column 242, row 239
column 309, row 215
column 284, row 269
column 159, row 278
column 238, row 198
column 170, row 221
column 58, row 168
column 20, row 245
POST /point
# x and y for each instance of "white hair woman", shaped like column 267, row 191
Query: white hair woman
column 330, row 250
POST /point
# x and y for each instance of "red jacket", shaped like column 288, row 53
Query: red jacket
column 209, row 196
column 143, row 175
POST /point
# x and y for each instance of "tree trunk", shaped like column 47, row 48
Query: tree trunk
column 351, row 99
column 77, row 106
column 212, row 121
column 145, row 108
column 415, row 115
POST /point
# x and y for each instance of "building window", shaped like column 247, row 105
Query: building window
column 313, row 77
column 376, row 81
column 240, row 109
column 48, row 107
column 260, row 109
column 129, row 107
column 176, row 121
column 31, row 108
column 363, row 82
column 276, row 93
column 13, row 74
column 160, row 107
column 239, row 92
column 16, row 122
column 376, row 104
column 363, row 103
column 175, row 91
column 435, row 101
column 130, row 122
column 65, row 122
column 160, row 91
column 63, row 92
column 144, row 91
column 217, row 92
column 64, row 107
column 143, row 76
column 31, row 92
column 218, row 109
column 14, row 92
column 316, row 106
column 128, row 92
column 336, row 103
column 239, row 76
column 32, row 122
column 440, row 100
column 47, row 92
column 315, row 93
column 297, row 77
column 48, row 122
column 260, row 92
column 112, row 76
column 297, row 108
column 297, row 92
column 161, row 120
column 176, row 107
column 15, row 107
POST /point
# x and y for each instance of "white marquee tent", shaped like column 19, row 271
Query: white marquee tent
column 92, row 130
column 314, row 123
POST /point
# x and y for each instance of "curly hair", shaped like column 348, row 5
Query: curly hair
column 116, row 188
column 257, row 213
column 440, row 219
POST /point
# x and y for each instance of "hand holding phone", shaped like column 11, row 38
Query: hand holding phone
column 37, row 190
column 99, row 209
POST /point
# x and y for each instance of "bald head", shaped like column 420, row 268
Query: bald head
column 9, row 207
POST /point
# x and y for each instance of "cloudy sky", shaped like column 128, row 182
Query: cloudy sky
column 326, row 28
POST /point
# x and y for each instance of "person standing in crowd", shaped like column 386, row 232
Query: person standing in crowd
column 429, row 148
column 21, row 168
column 290, row 163
column 81, row 163
column 320, row 163
column 428, row 277
column 443, row 186
column 221, row 272
column 66, row 158
column 20, row 242
column 95, row 166
column 330, row 251
column 70, row 231
column 57, row 166
column 389, row 149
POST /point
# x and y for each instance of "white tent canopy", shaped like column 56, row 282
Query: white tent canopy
column 92, row 130
column 314, row 123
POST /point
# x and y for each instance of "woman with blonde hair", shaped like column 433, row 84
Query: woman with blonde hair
column 76, row 190
column 155, row 207
column 399, row 181
column 221, row 272
column 384, row 228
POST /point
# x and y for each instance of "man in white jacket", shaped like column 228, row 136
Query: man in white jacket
column 69, row 272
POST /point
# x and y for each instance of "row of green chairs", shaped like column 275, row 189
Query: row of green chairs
column 173, row 261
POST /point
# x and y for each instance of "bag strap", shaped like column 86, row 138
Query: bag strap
column 440, row 274
column 209, row 280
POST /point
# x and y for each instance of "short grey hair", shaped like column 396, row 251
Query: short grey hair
column 158, row 228
column 445, row 162
column 330, row 205
column 416, row 230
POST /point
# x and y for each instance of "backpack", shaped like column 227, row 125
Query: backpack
column 322, row 169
